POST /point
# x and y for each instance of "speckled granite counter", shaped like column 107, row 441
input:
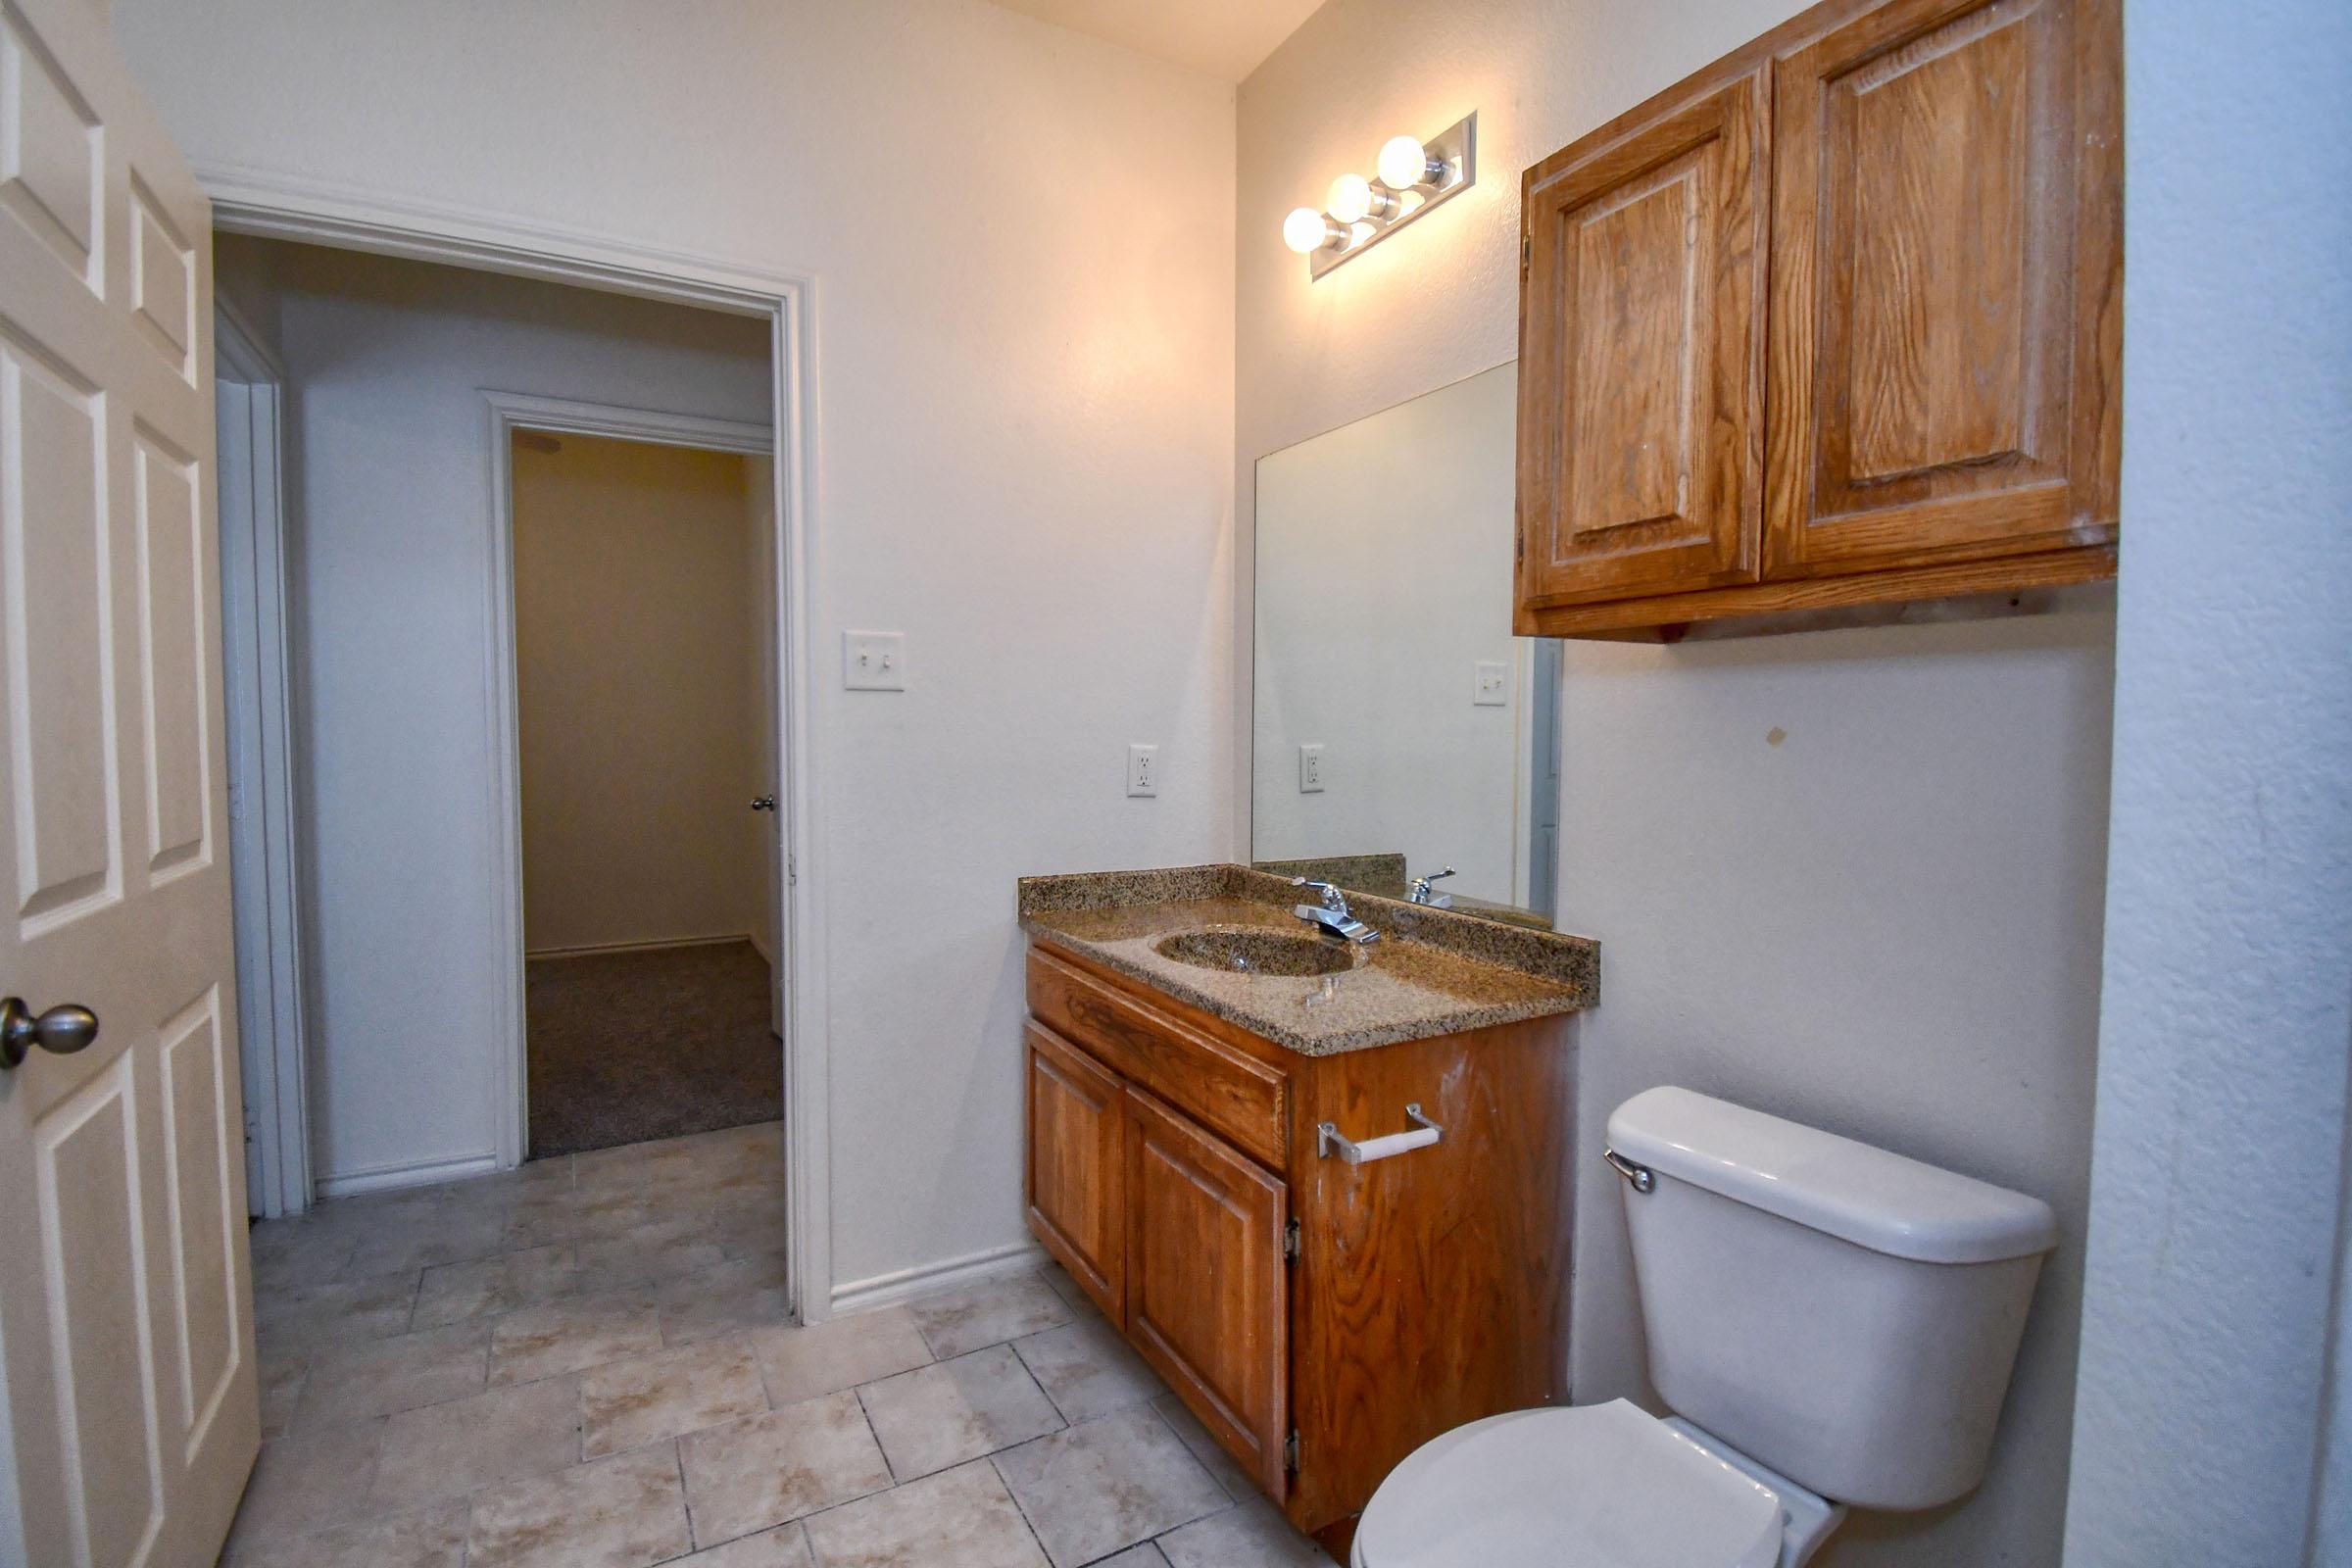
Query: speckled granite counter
column 1432, row 972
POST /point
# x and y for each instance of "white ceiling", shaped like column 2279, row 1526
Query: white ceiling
column 1225, row 39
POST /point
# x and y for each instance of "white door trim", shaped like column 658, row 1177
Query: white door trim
column 510, row 411
column 273, row 985
column 267, row 203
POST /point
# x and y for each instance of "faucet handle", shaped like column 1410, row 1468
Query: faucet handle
column 1419, row 893
column 1333, row 899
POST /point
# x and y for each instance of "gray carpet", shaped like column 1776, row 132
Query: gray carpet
column 625, row 1047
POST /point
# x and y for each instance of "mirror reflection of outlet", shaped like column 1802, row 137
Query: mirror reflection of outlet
column 1492, row 685
column 873, row 661
column 1310, row 767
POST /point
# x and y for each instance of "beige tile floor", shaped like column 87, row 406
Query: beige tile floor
column 586, row 1364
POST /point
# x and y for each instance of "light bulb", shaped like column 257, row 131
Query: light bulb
column 1403, row 163
column 1350, row 199
column 1306, row 230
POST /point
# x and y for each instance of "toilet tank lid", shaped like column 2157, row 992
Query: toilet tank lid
column 1867, row 1195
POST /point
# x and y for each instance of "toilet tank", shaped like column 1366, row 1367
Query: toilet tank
column 1842, row 1314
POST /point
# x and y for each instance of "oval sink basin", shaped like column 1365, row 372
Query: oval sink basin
column 1254, row 950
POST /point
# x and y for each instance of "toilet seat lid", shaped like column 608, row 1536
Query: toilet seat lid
column 1605, row 1486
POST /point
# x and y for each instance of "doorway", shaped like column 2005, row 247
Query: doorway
column 263, row 209
column 646, row 768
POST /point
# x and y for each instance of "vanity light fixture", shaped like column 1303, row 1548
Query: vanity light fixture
column 1358, row 214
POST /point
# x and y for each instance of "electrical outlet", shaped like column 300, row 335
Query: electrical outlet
column 1142, row 769
column 1310, row 767
column 873, row 661
column 1491, row 686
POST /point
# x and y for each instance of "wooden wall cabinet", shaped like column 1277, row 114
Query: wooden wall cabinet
column 1835, row 321
column 1321, row 1320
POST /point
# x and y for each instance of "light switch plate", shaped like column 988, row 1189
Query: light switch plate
column 873, row 661
column 1142, row 769
column 1491, row 686
column 1310, row 767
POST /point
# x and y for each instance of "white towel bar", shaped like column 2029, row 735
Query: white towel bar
column 1329, row 1140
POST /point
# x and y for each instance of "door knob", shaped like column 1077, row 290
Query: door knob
column 765, row 803
column 63, row 1030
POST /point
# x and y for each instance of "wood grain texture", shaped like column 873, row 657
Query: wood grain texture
column 1207, row 1297
column 1663, row 618
column 1941, row 333
column 1946, row 191
column 1156, row 1043
column 1641, row 342
column 1429, row 1290
column 1077, row 1167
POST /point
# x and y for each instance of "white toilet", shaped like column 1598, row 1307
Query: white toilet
column 1830, row 1321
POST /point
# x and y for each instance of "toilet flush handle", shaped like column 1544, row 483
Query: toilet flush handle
column 1639, row 1177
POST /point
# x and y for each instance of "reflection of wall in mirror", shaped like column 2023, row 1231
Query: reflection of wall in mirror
column 1383, row 580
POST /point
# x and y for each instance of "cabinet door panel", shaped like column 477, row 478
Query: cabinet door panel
column 1640, row 385
column 1078, row 1168
column 1946, row 286
column 1206, row 1293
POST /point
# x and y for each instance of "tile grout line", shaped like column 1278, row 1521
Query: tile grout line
column 1014, row 1498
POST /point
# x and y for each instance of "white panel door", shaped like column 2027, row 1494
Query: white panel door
column 130, row 1415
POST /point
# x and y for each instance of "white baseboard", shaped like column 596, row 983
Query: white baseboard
column 889, row 1289
column 649, row 945
column 419, row 1173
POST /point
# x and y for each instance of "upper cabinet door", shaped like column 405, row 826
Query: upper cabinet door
column 1640, row 383
column 1946, row 297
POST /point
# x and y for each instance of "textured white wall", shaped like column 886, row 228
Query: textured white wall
column 1023, row 247
column 391, row 485
column 1886, row 925
column 2218, row 1204
column 1377, row 550
column 637, row 665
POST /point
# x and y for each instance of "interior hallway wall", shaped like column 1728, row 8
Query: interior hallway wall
column 1021, row 247
column 396, row 740
column 1850, row 877
column 636, row 643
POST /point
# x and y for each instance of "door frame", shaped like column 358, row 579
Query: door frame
column 510, row 411
column 267, row 897
column 275, row 205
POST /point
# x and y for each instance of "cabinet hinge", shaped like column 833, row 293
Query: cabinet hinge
column 1290, row 1241
column 1290, row 1451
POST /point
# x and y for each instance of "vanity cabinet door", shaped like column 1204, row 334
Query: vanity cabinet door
column 1642, row 355
column 1077, row 1175
column 1946, row 294
column 1207, row 1297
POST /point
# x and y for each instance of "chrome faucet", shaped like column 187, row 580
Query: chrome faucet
column 1331, row 914
column 1419, row 891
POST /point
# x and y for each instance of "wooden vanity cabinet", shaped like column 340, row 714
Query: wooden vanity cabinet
column 1835, row 321
column 1320, row 1319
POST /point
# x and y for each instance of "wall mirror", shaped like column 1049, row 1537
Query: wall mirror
column 1400, row 728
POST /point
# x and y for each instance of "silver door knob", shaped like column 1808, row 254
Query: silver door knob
column 765, row 803
column 63, row 1030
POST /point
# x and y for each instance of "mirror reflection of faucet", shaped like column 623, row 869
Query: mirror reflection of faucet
column 1419, row 891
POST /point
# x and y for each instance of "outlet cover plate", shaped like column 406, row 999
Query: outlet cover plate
column 1142, row 769
column 1310, row 767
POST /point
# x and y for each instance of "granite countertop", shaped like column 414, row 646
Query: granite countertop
column 1433, row 971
